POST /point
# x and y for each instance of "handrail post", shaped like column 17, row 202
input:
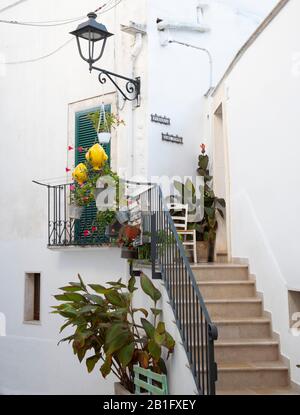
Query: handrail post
column 155, row 275
column 213, row 368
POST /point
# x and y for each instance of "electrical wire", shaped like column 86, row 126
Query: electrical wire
column 61, row 22
column 16, row 3
column 61, row 46
column 40, row 57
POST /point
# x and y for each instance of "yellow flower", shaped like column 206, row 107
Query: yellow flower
column 96, row 156
column 80, row 174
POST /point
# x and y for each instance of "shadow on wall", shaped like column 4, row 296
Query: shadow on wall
column 250, row 241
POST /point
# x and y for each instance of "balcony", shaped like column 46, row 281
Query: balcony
column 65, row 231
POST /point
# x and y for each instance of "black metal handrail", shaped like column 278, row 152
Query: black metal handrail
column 169, row 262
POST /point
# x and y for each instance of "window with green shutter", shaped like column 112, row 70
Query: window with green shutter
column 86, row 137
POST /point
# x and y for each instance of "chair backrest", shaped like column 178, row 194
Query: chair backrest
column 151, row 382
column 179, row 215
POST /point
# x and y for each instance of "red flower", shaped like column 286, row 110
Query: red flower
column 86, row 232
column 67, row 169
column 80, row 149
column 203, row 148
column 70, row 148
column 94, row 228
column 72, row 187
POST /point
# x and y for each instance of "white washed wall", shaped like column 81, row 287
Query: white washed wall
column 34, row 135
column 263, row 133
column 179, row 76
column 35, row 129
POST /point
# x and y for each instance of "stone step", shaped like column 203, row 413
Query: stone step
column 246, row 350
column 241, row 350
column 288, row 390
column 234, row 307
column 220, row 272
column 242, row 328
column 227, row 289
column 237, row 376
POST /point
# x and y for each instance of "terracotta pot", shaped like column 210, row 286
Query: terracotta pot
column 202, row 251
column 120, row 390
column 205, row 251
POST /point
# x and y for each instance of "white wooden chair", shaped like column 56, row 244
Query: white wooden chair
column 180, row 218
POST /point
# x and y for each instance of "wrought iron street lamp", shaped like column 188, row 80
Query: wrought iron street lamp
column 95, row 35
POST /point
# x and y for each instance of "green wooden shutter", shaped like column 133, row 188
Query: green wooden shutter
column 86, row 137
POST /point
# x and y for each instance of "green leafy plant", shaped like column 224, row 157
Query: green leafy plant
column 84, row 194
column 108, row 329
column 144, row 252
column 207, row 228
column 105, row 218
column 111, row 121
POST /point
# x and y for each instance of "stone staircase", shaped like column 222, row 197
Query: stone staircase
column 247, row 351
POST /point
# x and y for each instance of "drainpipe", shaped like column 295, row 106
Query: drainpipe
column 163, row 25
column 136, row 50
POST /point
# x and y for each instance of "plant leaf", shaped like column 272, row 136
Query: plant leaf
column 125, row 354
column 70, row 297
column 142, row 310
column 131, row 284
column 70, row 288
column 154, row 350
column 156, row 311
column 149, row 288
column 161, row 364
column 91, row 362
column 115, row 298
column 98, row 288
column 106, row 367
column 148, row 327
column 143, row 359
column 161, row 328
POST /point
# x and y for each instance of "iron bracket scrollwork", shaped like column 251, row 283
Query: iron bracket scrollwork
column 132, row 86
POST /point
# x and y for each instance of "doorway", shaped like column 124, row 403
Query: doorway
column 221, row 182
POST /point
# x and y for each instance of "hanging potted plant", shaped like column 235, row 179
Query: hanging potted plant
column 103, row 122
column 118, row 335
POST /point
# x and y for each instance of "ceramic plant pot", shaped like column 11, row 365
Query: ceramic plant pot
column 104, row 138
column 122, row 216
column 202, row 251
column 129, row 253
column 75, row 212
column 120, row 390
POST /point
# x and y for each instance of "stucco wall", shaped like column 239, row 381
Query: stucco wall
column 261, row 99
column 36, row 102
